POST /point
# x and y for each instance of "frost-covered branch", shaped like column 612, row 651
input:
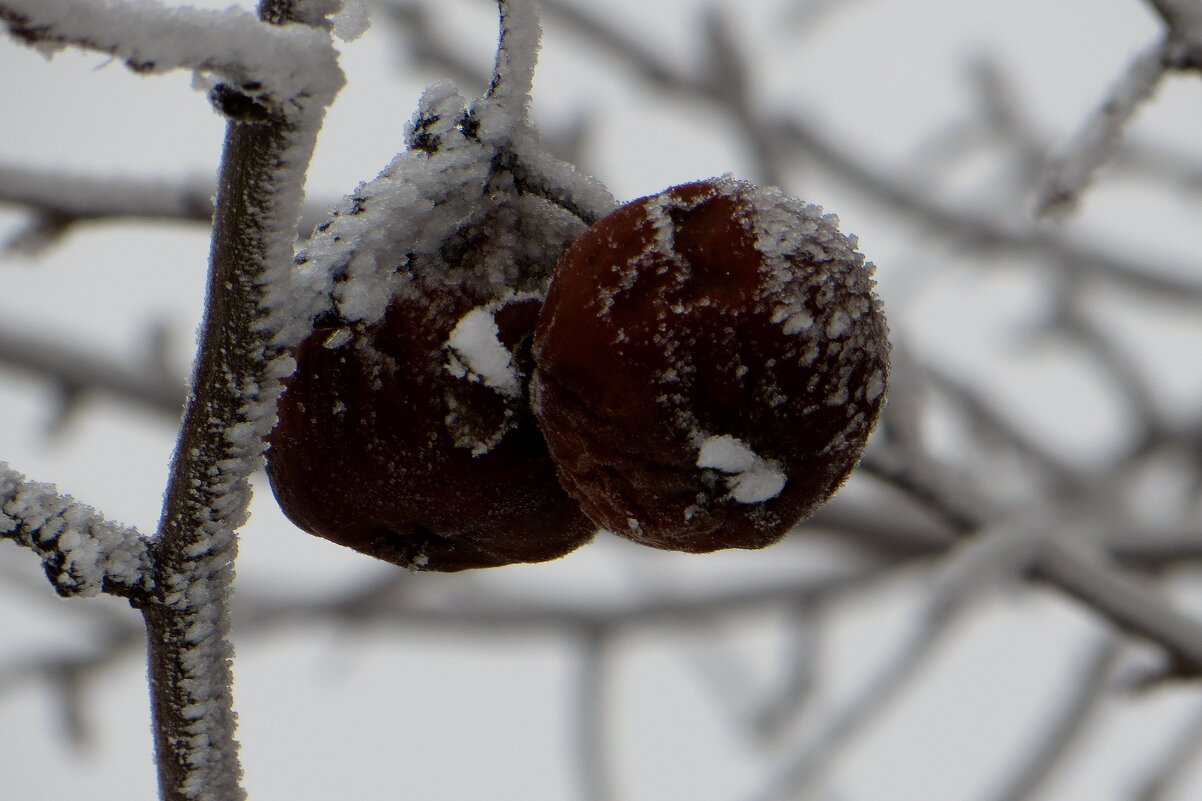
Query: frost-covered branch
column 282, row 80
column 269, row 60
column 82, row 553
column 465, row 163
column 1070, row 173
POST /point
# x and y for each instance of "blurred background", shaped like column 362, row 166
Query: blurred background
column 944, row 629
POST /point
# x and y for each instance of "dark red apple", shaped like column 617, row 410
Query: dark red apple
column 710, row 363
column 411, row 439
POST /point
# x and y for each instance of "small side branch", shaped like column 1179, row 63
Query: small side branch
column 83, row 553
column 1131, row 605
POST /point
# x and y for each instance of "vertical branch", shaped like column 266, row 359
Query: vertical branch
column 283, row 79
column 269, row 142
column 188, row 623
column 517, row 54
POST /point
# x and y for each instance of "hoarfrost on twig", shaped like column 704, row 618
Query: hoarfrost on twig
column 83, row 553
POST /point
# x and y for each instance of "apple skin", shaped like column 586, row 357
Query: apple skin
column 366, row 452
column 710, row 363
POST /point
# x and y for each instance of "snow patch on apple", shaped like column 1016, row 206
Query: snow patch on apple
column 749, row 477
column 478, row 355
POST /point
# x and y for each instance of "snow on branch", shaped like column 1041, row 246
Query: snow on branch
column 83, row 553
column 275, row 61
column 517, row 56
column 464, row 163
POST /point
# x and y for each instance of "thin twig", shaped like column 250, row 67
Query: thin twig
column 65, row 199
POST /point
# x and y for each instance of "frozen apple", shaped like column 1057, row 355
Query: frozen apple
column 710, row 363
column 411, row 438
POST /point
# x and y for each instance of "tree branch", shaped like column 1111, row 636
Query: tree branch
column 1080, row 570
column 283, row 79
column 77, row 197
column 82, row 553
column 150, row 36
column 593, row 707
column 232, row 408
column 1129, row 604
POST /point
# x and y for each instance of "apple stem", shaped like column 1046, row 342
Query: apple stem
column 513, row 73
